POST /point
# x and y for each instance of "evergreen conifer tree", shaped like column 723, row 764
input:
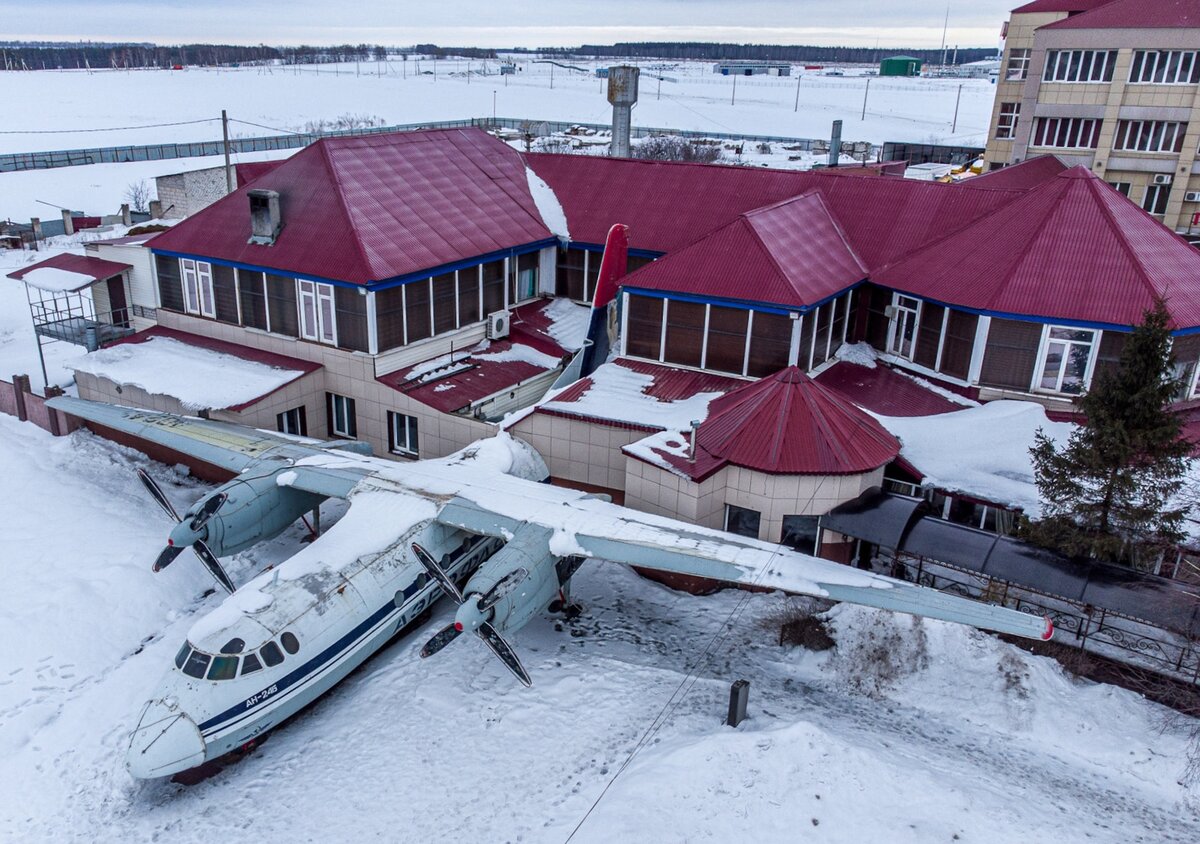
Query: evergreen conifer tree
column 1112, row 492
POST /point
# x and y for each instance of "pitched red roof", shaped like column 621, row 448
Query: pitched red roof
column 791, row 253
column 376, row 207
column 1071, row 249
column 787, row 424
column 1135, row 14
column 1058, row 6
column 248, row 171
column 668, row 205
column 97, row 269
column 1023, row 176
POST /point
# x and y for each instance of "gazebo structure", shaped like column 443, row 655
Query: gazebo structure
column 76, row 299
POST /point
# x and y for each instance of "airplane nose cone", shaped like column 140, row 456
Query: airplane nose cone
column 165, row 742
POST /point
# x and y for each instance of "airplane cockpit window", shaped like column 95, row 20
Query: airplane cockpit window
column 290, row 643
column 223, row 668
column 271, row 654
column 250, row 664
column 181, row 657
column 197, row 664
column 233, row 646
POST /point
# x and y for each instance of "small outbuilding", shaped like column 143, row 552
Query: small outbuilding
column 900, row 66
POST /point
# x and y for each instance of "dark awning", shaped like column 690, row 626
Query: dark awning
column 902, row 524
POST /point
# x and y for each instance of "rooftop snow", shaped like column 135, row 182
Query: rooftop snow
column 57, row 281
column 197, row 377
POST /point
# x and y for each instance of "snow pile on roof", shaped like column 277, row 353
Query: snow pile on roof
column 861, row 353
column 619, row 394
column 981, row 451
column 652, row 449
column 548, row 205
column 568, row 323
column 54, row 280
column 199, row 378
column 521, row 352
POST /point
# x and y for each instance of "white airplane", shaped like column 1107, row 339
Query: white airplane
column 412, row 532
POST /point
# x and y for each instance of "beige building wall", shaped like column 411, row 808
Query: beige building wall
column 657, row 490
column 1111, row 102
column 578, row 450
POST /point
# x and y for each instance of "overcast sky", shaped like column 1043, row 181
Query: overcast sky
column 507, row 23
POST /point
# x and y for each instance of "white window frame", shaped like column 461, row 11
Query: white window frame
column 902, row 312
column 320, row 324
column 199, row 300
column 291, row 421
column 403, row 434
column 1123, row 188
column 1044, row 350
column 1079, row 66
column 1018, row 65
column 348, row 414
column 1006, row 121
column 1146, row 65
column 1149, row 136
column 1084, row 131
column 1156, row 191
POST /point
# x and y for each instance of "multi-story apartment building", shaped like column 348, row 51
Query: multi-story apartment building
column 1113, row 85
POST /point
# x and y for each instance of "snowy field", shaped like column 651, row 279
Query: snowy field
column 976, row 741
column 45, row 109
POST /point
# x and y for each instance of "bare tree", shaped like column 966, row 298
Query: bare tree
column 137, row 194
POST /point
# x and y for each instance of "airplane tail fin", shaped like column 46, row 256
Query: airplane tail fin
column 602, row 327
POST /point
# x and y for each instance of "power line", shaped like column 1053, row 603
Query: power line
column 272, row 128
column 110, row 129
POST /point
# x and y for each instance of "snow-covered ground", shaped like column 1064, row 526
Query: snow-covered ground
column 980, row 742
column 286, row 99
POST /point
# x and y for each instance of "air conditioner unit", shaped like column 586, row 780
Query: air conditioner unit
column 1162, row 178
column 497, row 325
column 890, row 311
column 1192, row 196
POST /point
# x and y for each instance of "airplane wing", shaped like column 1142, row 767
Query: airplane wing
column 593, row 528
column 224, row 445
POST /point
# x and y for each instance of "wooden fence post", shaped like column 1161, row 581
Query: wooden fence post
column 53, row 418
column 20, row 388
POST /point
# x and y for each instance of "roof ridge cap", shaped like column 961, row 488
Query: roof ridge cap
column 341, row 198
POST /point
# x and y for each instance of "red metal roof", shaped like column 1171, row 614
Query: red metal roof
column 248, row 171
column 304, row 367
column 1135, row 14
column 1071, row 249
column 791, row 253
column 471, row 377
column 787, row 424
column 668, row 385
column 98, row 268
column 1058, row 6
column 668, row 205
column 376, row 207
column 1029, row 173
column 883, row 390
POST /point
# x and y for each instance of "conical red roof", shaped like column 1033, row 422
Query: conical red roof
column 787, row 424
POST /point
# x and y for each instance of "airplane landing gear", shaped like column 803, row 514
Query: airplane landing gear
column 571, row 610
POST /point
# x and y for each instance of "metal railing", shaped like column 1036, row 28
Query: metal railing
column 45, row 160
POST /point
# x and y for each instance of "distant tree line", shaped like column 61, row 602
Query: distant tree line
column 34, row 56
column 763, row 52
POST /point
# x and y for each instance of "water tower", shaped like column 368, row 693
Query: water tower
column 622, row 93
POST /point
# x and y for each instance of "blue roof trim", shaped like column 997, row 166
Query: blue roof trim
column 511, row 252
column 744, row 304
column 1070, row 323
column 599, row 247
column 257, row 269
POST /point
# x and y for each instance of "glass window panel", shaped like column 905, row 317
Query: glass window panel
column 271, row 654
column 223, row 668
column 250, row 664
column 468, row 296
column 685, row 332
column 644, row 326
column 742, row 521
column 726, row 339
column 1054, row 359
column 444, row 297
column 416, row 310
column 196, row 665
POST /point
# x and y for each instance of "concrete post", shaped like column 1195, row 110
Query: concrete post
column 36, row 223
column 155, row 209
column 68, row 223
column 126, row 217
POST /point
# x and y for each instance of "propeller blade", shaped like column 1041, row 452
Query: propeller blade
column 440, row 639
column 435, row 571
column 157, row 494
column 503, row 587
column 208, row 510
column 213, row 565
column 167, row 557
column 503, row 650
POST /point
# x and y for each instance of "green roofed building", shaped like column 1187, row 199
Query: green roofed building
column 900, row 66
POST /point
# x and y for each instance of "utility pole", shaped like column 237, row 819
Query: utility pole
column 225, row 136
column 551, row 77
column 493, row 107
column 797, row 106
column 945, row 26
column 954, row 125
column 733, row 96
column 658, row 96
column 865, row 92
